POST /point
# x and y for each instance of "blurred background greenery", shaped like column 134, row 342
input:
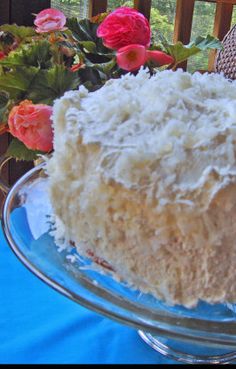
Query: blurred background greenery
column 162, row 19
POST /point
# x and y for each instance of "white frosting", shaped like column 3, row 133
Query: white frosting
column 144, row 173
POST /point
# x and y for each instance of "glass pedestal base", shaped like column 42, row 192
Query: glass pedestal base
column 188, row 353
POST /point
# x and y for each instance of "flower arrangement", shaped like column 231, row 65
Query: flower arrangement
column 39, row 64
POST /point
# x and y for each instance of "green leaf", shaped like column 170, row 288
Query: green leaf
column 19, row 151
column 4, row 101
column 86, row 31
column 50, row 84
column 103, row 67
column 90, row 46
column 206, row 43
column 21, row 32
column 182, row 52
column 90, row 78
column 6, row 38
column 82, row 30
column 37, row 54
column 17, row 81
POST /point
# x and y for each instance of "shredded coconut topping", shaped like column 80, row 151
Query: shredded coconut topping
column 144, row 172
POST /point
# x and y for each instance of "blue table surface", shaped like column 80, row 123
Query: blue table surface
column 40, row 326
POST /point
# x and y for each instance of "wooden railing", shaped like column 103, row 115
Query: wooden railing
column 183, row 18
column 20, row 12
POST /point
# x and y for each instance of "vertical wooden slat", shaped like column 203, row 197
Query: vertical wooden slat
column 22, row 10
column 4, row 18
column 4, row 11
column 233, row 2
column 183, row 23
column 222, row 24
column 219, row 1
column 144, row 6
column 96, row 7
column 223, row 17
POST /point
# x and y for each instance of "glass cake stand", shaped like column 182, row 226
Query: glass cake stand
column 205, row 334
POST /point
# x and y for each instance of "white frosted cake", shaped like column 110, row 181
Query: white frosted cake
column 143, row 176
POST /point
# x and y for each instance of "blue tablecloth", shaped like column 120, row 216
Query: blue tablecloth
column 39, row 326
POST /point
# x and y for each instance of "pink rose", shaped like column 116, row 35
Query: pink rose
column 131, row 57
column 49, row 20
column 124, row 26
column 159, row 57
column 32, row 125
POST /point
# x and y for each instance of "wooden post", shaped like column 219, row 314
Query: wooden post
column 222, row 24
column 183, row 23
column 22, row 10
column 144, row 6
column 232, row 2
column 96, row 7
column 4, row 11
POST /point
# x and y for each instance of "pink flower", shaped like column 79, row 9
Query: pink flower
column 2, row 55
column 124, row 26
column 49, row 20
column 131, row 57
column 159, row 57
column 32, row 125
column 76, row 67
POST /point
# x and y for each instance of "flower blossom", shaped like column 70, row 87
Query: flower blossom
column 50, row 20
column 32, row 124
column 124, row 26
column 159, row 57
column 131, row 57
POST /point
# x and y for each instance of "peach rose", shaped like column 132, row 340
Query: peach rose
column 131, row 57
column 124, row 26
column 32, row 124
column 49, row 20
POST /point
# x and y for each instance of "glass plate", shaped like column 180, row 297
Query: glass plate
column 205, row 334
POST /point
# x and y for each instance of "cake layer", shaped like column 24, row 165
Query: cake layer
column 143, row 175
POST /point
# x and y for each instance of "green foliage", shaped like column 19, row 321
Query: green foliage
column 182, row 52
column 17, row 150
column 161, row 23
column 50, row 84
column 4, row 102
column 206, row 43
column 20, row 32
column 6, row 39
column 37, row 54
column 85, row 33
column 82, row 30
column 16, row 82
column 100, row 62
column 31, row 74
